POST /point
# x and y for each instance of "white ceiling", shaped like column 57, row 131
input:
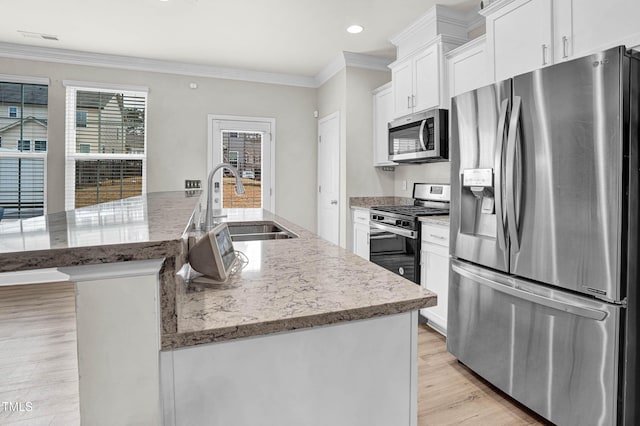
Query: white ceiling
column 296, row 37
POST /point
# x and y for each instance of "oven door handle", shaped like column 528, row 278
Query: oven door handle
column 382, row 236
column 402, row 232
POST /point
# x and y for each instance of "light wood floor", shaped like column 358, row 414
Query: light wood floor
column 451, row 394
column 38, row 361
column 38, row 364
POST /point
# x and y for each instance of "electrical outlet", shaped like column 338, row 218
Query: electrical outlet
column 192, row 184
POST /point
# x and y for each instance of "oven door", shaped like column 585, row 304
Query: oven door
column 394, row 249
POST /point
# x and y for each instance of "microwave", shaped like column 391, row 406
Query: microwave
column 419, row 138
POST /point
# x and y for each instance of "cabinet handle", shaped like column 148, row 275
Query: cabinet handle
column 544, row 54
column 413, row 101
column 564, row 46
column 408, row 102
column 437, row 237
column 368, row 236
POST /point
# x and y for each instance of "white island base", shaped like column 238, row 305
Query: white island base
column 358, row 373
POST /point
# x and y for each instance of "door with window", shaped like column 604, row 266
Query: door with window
column 247, row 144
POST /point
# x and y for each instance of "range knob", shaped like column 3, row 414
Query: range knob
column 398, row 222
column 405, row 223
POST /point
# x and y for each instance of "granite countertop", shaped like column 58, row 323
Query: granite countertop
column 289, row 284
column 137, row 228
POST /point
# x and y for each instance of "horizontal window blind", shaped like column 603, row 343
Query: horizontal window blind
column 106, row 145
column 23, row 147
column 22, row 185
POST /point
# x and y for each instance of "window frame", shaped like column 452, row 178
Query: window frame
column 15, row 108
column 72, row 156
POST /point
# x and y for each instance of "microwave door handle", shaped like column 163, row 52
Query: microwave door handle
column 511, row 173
column 421, row 135
column 497, row 175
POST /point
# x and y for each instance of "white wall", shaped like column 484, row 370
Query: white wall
column 349, row 92
column 177, row 128
column 420, row 173
column 362, row 179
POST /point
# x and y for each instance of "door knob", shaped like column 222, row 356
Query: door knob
column 334, row 202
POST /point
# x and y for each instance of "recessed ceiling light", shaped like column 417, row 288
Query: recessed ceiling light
column 355, row 29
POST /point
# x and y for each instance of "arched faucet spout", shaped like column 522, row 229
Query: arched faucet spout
column 208, row 220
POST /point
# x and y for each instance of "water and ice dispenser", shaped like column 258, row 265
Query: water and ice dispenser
column 478, row 202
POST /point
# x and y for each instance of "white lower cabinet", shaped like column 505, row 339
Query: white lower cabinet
column 434, row 266
column 361, row 233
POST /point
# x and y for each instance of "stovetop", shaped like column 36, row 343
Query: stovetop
column 413, row 211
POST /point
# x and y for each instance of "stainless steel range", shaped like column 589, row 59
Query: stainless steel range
column 394, row 237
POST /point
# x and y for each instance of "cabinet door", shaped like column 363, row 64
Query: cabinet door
column 599, row 25
column 382, row 115
column 361, row 240
column 520, row 37
column 468, row 70
column 426, row 79
column 435, row 277
column 402, row 78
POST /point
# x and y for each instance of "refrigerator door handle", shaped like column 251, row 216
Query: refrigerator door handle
column 511, row 175
column 559, row 305
column 497, row 174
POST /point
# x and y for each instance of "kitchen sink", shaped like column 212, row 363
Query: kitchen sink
column 259, row 232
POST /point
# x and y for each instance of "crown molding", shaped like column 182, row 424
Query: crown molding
column 438, row 13
column 470, row 45
column 47, row 54
column 475, row 20
column 351, row 59
column 495, row 6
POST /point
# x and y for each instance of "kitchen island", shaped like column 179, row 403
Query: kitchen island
column 306, row 332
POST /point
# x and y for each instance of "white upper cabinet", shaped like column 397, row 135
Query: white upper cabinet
column 418, row 82
column 402, row 78
column 519, row 36
column 523, row 35
column 468, row 67
column 426, row 78
column 418, row 76
column 584, row 27
column 382, row 115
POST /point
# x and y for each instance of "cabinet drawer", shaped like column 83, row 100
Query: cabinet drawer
column 361, row 216
column 435, row 234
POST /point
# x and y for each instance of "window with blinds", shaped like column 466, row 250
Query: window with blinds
column 23, row 149
column 106, row 145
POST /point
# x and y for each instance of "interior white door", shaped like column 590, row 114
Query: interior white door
column 248, row 144
column 329, row 177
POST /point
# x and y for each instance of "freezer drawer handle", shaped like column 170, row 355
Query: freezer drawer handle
column 531, row 297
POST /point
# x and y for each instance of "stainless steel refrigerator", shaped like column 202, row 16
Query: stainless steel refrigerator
column 543, row 291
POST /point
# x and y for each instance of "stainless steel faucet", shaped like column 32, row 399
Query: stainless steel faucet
column 208, row 220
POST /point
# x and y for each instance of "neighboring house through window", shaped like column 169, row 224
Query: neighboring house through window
column 106, row 144
column 81, row 118
column 23, row 163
